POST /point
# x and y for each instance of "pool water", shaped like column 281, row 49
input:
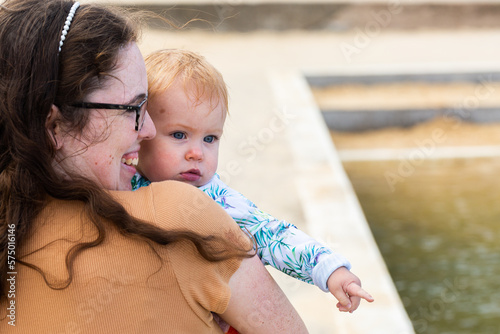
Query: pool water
column 438, row 229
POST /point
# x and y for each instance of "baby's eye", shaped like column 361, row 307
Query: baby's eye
column 209, row 139
column 178, row 135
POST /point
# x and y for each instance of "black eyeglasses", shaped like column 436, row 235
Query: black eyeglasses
column 140, row 109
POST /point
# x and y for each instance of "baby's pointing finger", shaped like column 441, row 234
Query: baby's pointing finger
column 356, row 290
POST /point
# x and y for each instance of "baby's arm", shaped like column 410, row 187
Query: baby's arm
column 285, row 247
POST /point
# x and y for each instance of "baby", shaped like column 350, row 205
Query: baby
column 188, row 103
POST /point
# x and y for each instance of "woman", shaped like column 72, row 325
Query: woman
column 77, row 254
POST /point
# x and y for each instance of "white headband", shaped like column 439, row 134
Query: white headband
column 67, row 24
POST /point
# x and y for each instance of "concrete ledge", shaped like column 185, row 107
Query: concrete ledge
column 333, row 212
column 366, row 16
column 429, row 77
column 462, row 152
column 259, row 2
column 362, row 120
column 370, row 119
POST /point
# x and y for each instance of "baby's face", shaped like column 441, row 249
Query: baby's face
column 186, row 146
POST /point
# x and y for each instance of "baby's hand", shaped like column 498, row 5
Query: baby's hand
column 346, row 287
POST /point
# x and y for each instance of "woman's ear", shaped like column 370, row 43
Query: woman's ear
column 53, row 126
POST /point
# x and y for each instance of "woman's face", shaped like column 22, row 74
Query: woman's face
column 107, row 149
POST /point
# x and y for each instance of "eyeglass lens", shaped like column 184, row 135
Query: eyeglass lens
column 141, row 116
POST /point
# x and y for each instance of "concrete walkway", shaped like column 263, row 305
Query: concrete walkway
column 276, row 149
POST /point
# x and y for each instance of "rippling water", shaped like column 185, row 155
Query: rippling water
column 437, row 225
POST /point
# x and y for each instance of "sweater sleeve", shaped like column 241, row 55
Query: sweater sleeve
column 178, row 206
column 280, row 244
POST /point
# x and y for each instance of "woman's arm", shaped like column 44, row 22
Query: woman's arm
column 257, row 303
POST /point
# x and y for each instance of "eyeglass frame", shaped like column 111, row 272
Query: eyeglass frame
column 111, row 106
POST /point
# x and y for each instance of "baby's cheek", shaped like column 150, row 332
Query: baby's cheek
column 169, row 164
column 159, row 169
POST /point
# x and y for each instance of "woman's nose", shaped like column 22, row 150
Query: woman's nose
column 148, row 130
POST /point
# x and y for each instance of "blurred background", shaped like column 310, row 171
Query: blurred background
column 375, row 127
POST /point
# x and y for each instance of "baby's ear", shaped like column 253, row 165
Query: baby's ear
column 53, row 126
